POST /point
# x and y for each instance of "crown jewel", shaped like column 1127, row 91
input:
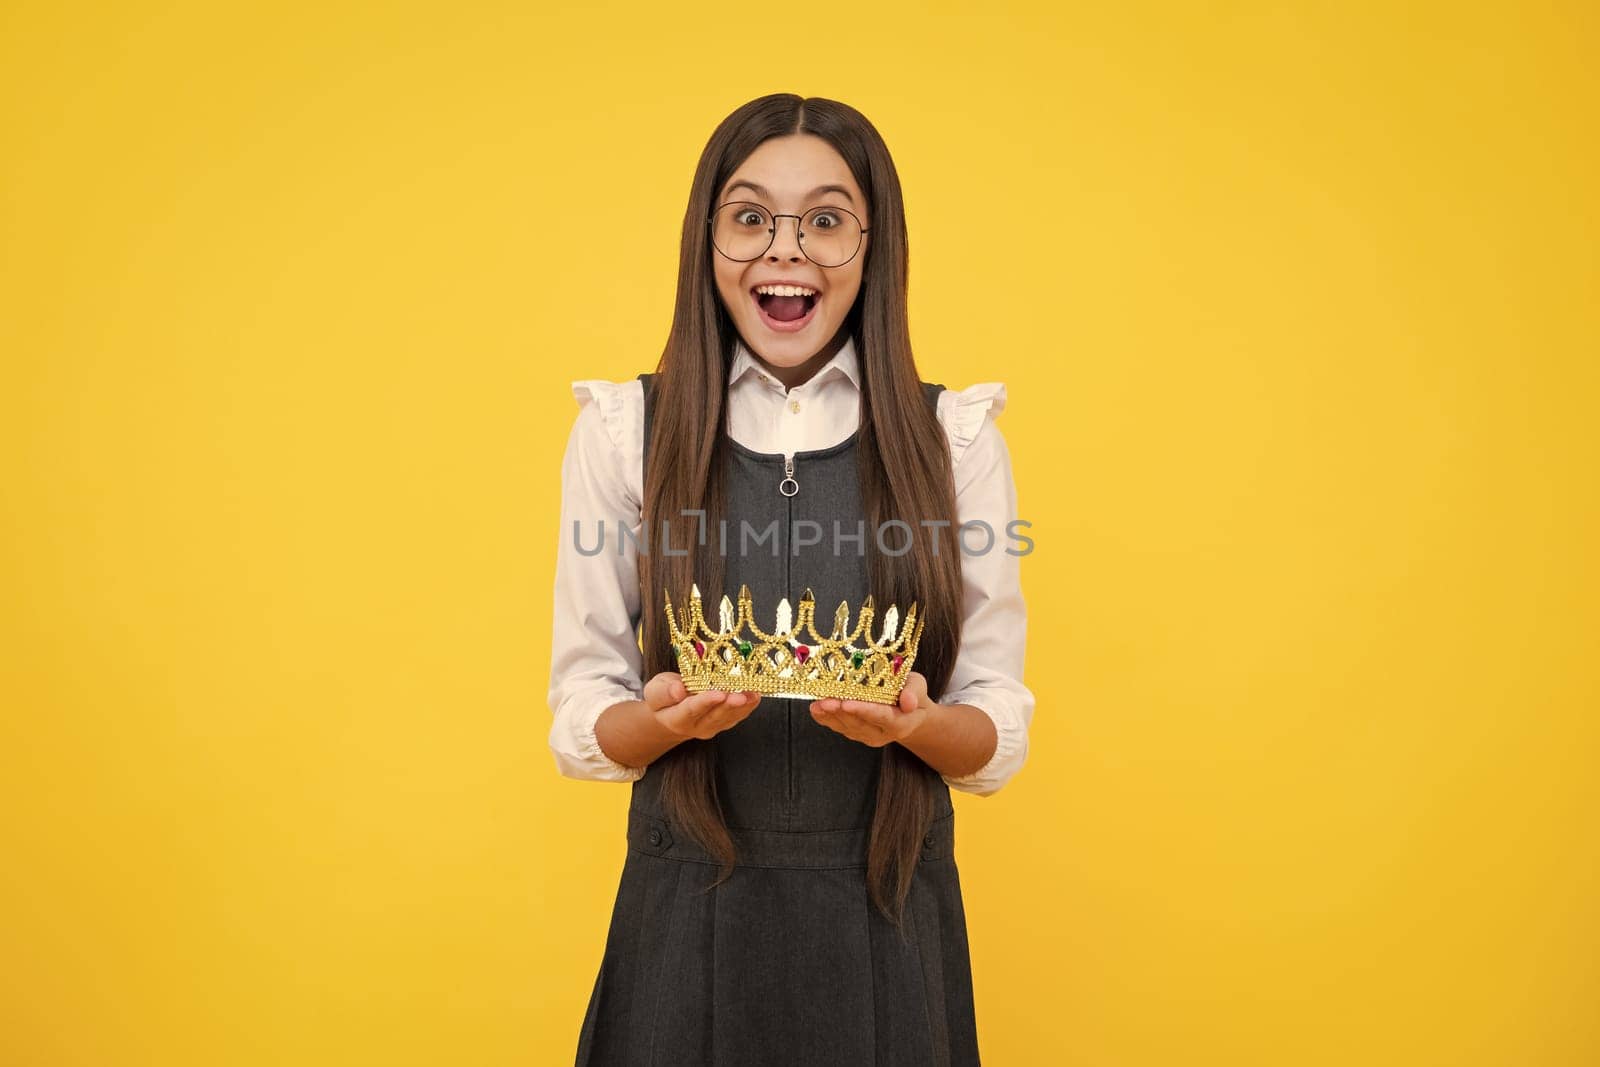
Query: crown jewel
column 794, row 660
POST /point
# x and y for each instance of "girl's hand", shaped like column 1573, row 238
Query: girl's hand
column 702, row 715
column 877, row 724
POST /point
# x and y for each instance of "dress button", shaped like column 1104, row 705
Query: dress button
column 655, row 836
column 794, row 405
column 927, row 842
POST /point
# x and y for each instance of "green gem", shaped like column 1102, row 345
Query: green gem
column 856, row 658
column 744, row 649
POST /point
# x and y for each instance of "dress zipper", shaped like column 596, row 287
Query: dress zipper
column 789, row 487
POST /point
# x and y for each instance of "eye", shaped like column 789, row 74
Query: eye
column 825, row 220
column 750, row 216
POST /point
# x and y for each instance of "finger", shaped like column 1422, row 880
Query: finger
column 698, row 704
column 845, row 725
column 868, row 713
column 736, row 704
column 915, row 692
column 826, row 719
column 725, row 716
column 658, row 691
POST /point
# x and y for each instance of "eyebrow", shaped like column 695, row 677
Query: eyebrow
column 818, row 191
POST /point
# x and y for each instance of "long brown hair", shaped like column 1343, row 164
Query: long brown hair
column 904, row 472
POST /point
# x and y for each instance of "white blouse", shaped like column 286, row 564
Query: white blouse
column 596, row 661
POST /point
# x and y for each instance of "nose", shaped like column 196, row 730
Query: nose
column 786, row 241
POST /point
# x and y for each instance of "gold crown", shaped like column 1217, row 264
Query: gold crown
column 788, row 662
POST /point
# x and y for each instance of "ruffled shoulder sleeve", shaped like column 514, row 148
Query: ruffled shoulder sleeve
column 962, row 411
column 621, row 407
column 620, row 410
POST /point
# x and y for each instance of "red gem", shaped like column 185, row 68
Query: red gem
column 699, row 650
column 802, row 653
column 897, row 661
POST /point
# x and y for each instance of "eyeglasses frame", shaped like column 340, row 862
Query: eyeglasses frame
column 772, row 231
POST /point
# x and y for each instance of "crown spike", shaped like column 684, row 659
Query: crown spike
column 697, row 615
column 674, row 633
column 677, row 619
column 746, row 616
column 891, row 619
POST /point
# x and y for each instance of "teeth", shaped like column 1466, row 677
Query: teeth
column 786, row 290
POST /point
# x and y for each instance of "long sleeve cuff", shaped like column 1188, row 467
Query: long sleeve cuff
column 572, row 740
column 1011, row 747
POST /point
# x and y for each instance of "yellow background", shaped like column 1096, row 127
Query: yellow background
column 1295, row 305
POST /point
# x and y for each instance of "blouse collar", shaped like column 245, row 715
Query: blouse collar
column 845, row 362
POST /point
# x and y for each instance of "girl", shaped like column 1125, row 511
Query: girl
column 790, row 892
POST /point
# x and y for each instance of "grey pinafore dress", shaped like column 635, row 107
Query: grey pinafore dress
column 787, row 962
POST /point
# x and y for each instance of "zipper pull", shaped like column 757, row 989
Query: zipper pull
column 788, row 487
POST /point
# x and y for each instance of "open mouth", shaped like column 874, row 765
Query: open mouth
column 785, row 314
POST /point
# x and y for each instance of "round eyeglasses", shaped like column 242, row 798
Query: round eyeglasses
column 829, row 236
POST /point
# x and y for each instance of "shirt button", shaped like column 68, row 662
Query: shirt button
column 794, row 405
column 927, row 842
column 655, row 836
